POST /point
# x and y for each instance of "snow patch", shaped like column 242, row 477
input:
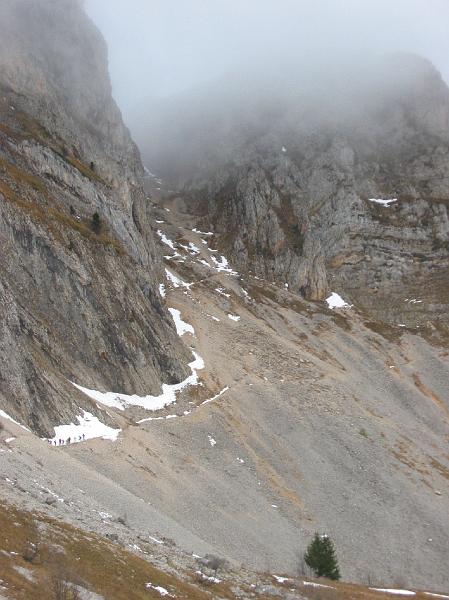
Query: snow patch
column 6, row 416
column 162, row 291
column 195, row 230
column 158, row 588
column 222, row 291
column 193, row 249
column 317, row 585
column 212, row 442
column 181, row 326
column 385, row 203
column 167, row 241
column 204, row 262
column 176, row 281
column 398, row 592
column 281, row 579
column 222, row 265
column 213, row 318
column 155, row 540
column 220, row 393
column 88, row 428
column 336, row 301
column 168, row 395
column 234, row 317
column 206, row 578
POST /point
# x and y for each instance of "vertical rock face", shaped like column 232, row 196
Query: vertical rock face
column 289, row 186
column 78, row 293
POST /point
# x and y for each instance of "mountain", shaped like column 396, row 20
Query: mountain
column 231, row 355
column 77, row 305
column 288, row 178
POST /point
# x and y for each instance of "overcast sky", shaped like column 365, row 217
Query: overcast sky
column 158, row 48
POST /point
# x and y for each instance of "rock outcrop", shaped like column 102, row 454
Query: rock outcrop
column 78, row 269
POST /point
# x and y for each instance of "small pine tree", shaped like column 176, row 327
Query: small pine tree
column 321, row 557
column 95, row 223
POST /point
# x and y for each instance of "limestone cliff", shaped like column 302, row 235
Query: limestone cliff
column 79, row 298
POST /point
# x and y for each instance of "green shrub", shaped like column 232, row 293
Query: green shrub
column 95, row 223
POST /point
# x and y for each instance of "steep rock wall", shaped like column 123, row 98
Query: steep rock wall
column 78, row 302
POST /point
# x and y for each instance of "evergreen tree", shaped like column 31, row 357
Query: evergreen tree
column 321, row 557
column 95, row 223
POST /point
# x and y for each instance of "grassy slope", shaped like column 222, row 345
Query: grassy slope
column 115, row 573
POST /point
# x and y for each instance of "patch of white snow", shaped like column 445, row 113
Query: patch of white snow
column 220, row 393
column 168, row 395
column 181, row 326
column 206, row 578
column 281, row 579
column 155, row 540
column 195, row 230
column 6, row 416
column 317, row 585
column 385, row 203
column 222, row 265
column 336, row 301
column 88, row 428
column 222, row 291
column 167, row 241
column 176, row 281
column 393, row 591
column 234, row 317
column 158, row 588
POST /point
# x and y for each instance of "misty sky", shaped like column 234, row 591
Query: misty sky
column 158, row 48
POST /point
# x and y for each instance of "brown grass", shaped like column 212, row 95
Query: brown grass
column 110, row 570
column 34, row 130
column 89, row 560
column 22, row 177
column 51, row 217
column 439, row 402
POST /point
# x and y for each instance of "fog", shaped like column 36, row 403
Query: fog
column 175, row 62
column 162, row 47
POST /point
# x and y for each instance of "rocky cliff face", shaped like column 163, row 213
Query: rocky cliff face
column 79, row 298
column 289, row 185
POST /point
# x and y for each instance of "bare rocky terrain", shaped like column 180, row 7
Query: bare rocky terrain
column 298, row 417
column 327, row 425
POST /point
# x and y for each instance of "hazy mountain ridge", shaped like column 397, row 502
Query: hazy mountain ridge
column 288, row 183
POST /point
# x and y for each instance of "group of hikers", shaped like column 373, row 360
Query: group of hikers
column 62, row 442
